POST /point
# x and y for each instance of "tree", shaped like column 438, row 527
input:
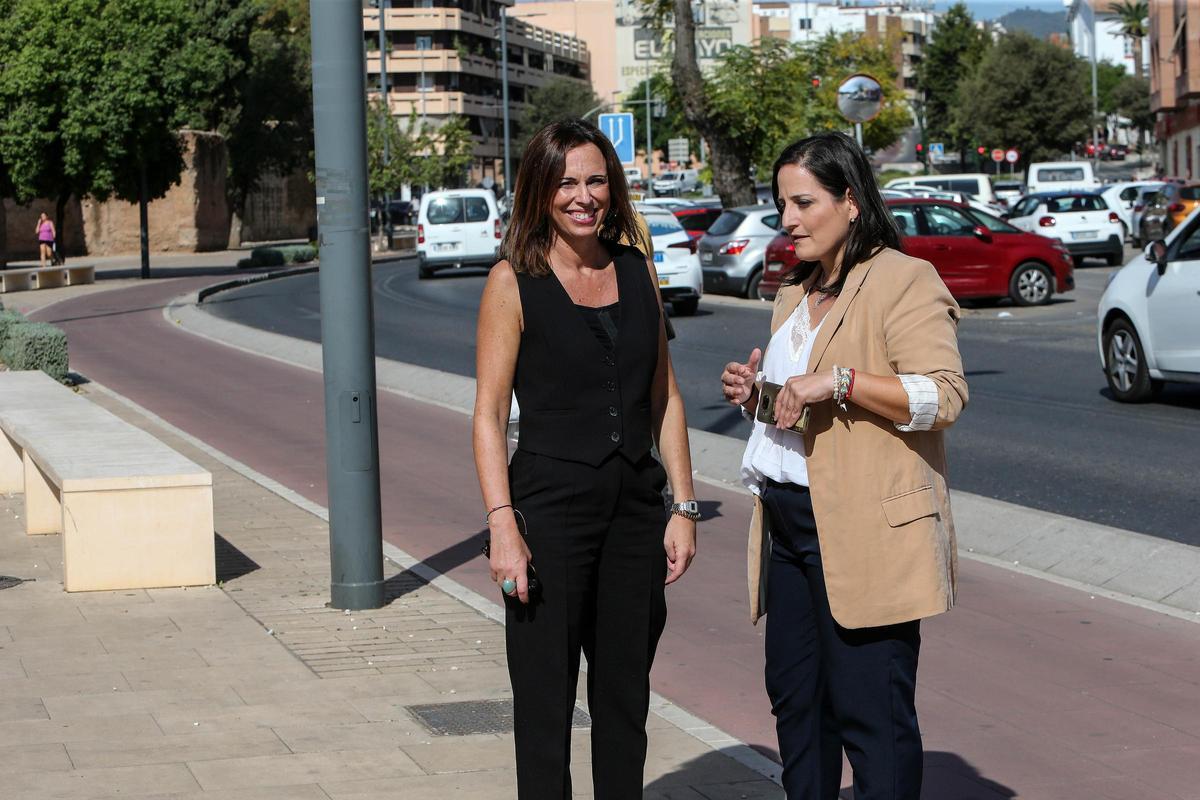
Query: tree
column 1131, row 98
column 1108, row 77
column 445, row 151
column 1132, row 15
column 93, row 95
column 1014, row 105
column 671, row 125
column 955, row 47
column 558, row 99
column 838, row 56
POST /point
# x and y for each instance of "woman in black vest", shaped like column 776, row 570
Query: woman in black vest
column 571, row 321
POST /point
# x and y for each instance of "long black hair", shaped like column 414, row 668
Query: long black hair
column 840, row 166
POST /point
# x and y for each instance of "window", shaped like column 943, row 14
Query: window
column 965, row 186
column 727, row 223
column 1129, row 195
column 906, row 219
column 425, row 83
column 1074, row 203
column 445, row 211
column 1188, row 248
column 804, row 24
column 697, row 222
column 993, row 224
column 424, row 42
column 1060, row 174
column 771, row 221
column 1189, row 193
column 662, row 224
column 1026, row 207
column 477, row 209
column 947, row 221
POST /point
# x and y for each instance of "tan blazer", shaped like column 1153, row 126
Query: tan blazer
column 879, row 495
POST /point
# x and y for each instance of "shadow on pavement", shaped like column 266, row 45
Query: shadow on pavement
column 169, row 273
column 231, row 562
column 949, row 777
column 443, row 562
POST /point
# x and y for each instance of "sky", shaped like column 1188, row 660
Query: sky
column 990, row 9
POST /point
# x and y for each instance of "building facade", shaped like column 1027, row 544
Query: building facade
column 443, row 58
column 593, row 22
column 1086, row 16
column 1174, row 36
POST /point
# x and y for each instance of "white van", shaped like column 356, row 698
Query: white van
column 1056, row 176
column 975, row 184
column 457, row 228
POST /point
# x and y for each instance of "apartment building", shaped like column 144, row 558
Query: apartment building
column 443, row 58
column 1175, row 84
column 1098, row 17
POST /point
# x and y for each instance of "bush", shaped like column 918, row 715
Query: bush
column 302, row 254
column 36, row 345
column 279, row 256
column 268, row 257
column 246, row 263
column 8, row 319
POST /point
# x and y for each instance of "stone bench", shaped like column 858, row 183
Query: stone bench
column 22, row 280
column 133, row 513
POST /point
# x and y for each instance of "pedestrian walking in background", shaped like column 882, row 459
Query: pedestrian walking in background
column 45, row 236
column 571, row 319
column 851, row 541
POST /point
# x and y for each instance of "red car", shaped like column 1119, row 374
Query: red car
column 697, row 220
column 976, row 254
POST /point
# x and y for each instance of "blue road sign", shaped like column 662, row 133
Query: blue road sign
column 937, row 150
column 619, row 130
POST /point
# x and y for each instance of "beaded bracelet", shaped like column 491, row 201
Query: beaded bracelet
column 841, row 386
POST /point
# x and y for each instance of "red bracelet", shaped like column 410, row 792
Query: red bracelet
column 850, row 388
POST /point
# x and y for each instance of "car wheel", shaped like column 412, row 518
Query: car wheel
column 1077, row 261
column 687, row 307
column 752, row 286
column 1125, row 365
column 1031, row 285
column 1115, row 258
column 424, row 271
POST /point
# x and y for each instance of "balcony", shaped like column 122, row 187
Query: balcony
column 412, row 62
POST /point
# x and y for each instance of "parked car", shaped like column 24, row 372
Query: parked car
column 633, row 176
column 677, row 182
column 1144, row 193
column 698, row 219
column 457, row 228
column 731, row 250
column 1181, row 199
column 680, row 280
column 1080, row 220
column 669, row 203
column 1121, row 198
column 1008, row 192
column 1060, row 176
column 1147, row 325
column 976, row 184
column 1155, row 221
column 962, row 198
column 977, row 255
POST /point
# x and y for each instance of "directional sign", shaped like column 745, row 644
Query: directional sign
column 1012, row 156
column 937, row 150
column 677, row 149
column 619, row 130
column 997, row 155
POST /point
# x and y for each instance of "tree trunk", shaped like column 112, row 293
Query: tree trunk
column 144, row 222
column 1138, row 71
column 730, row 162
column 3, row 235
column 60, row 215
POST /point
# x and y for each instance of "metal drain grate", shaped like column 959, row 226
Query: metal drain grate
column 476, row 716
column 8, row 581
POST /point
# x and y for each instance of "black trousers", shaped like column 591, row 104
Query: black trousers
column 596, row 537
column 834, row 688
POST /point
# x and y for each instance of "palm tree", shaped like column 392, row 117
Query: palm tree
column 1132, row 14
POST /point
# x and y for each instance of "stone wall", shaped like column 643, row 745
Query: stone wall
column 20, row 223
column 283, row 207
column 192, row 217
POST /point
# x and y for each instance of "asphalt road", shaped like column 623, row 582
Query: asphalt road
column 1040, row 429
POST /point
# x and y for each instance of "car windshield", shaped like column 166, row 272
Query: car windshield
column 993, row 224
column 727, row 223
column 1189, row 193
column 662, row 224
column 1060, row 174
column 449, row 210
column 696, row 222
column 1075, row 203
column 668, row 176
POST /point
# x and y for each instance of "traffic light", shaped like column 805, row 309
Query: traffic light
column 816, row 82
column 920, row 152
column 981, row 149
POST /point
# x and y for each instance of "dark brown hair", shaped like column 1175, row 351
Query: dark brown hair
column 527, row 242
column 841, row 167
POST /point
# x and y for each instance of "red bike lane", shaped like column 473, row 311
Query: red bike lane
column 1028, row 689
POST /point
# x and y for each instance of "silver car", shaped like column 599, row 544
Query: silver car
column 731, row 250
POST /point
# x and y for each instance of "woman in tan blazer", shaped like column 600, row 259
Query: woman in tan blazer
column 851, row 542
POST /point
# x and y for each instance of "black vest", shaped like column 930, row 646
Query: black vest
column 579, row 401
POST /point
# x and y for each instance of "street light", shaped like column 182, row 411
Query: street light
column 504, row 92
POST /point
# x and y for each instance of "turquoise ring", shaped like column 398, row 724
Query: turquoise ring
column 508, row 586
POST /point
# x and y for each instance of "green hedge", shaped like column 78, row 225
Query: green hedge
column 36, row 345
column 8, row 320
column 279, row 256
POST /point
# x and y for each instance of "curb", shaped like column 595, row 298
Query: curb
column 209, row 291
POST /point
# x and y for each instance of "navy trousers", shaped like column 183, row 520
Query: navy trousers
column 834, row 688
column 596, row 539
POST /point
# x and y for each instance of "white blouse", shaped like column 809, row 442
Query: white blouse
column 779, row 454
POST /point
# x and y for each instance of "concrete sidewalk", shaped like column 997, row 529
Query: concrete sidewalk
column 254, row 689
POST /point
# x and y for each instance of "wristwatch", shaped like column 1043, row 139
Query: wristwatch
column 688, row 509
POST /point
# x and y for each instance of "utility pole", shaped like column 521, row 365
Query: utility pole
column 383, row 79
column 1095, row 100
column 347, row 319
column 508, row 183
column 649, row 144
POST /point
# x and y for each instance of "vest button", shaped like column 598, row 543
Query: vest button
column 616, row 437
column 610, row 386
column 612, row 411
column 608, row 360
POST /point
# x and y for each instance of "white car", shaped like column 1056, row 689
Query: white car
column 457, row 228
column 667, row 203
column 1080, row 220
column 677, row 182
column 1148, row 329
column 680, row 279
column 1123, row 197
column 1060, row 176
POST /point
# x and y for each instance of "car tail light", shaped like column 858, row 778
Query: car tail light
column 1175, row 208
column 690, row 244
column 1139, row 207
column 1112, row 217
column 497, row 228
column 1047, row 222
column 734, row 247
column 420, row 234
